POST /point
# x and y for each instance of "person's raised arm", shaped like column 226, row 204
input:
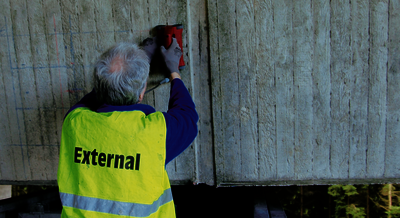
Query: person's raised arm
column 181, row 117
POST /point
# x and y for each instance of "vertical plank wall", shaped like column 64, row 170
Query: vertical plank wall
column 288, row 91
column 305, row 91
column 47, row 56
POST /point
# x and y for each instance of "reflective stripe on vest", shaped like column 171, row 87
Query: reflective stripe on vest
column 115, row 207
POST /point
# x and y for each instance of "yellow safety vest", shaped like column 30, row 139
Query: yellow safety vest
column 113, row 165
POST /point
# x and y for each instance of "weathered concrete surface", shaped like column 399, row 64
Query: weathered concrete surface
column 305, row 92
column 46, row 59
column 288, row 92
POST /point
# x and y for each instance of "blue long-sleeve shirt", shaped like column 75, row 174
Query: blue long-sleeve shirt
column 181, row 118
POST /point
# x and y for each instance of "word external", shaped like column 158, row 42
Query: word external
column 106, row 160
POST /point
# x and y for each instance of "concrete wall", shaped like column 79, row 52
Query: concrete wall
column 288, row 92
column 305, row 92
column 46, row 59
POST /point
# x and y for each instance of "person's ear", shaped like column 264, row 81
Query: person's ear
column 141, row 96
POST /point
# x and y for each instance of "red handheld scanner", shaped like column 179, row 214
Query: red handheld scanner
column 165, row 33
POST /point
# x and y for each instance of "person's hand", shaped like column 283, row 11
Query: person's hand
column 149, row 45
column 174, row 75
column 172, row 56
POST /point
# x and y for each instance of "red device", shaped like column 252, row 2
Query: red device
column 165, row 33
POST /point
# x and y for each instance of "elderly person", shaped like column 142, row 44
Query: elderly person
column 113, row 149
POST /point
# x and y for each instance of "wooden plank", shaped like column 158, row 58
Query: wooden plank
column 302, row 68
column 30, row 123
column 41, row 157
column 284, row 88
column 247, row 91
column 177, row 14
column 173, row 12
column 76, row 85
column 321, row 90
column 122, row 20
column 79, row 30
column 87, row 40
column 199, row 68
column 161, row 94
column 140, row 18
column 392, row 165
column 359, row 88
column 262, row 59
column 58, row 71
column 340, row 83
column 6, row 162
column 228, row 71
column 38, row 38
column 377, row 88
column 145, row 17
column 264, row 56
column 132, row 24
column 104, row 25
column 57, row 61
column 15, row 150
column 69, row 20
column 8, row 116
column 216, row 91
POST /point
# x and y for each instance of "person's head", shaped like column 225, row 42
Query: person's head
column 120, row 75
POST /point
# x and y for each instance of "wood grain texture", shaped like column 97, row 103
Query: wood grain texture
column 302, row 68
column 392, row 165
column 321, row 77
column 56, row 56
column 340, row 82
column 200, row 79
column 88, row 42
column 175, row 12
column 377, row 89
column 50, row 50
column 143, row 18
column 42, row 156
column 161, row 93
column 319, row 81
column 178, row 14
column 216, row 91
column 68, row 16
column 8, row 127
column 266, row 96
column 30, row 123
column 288, row 92
column 359, row 85
column 229, row 91
column 104, row 24
column 247, row 90
column 122, row 20
column 284, row 88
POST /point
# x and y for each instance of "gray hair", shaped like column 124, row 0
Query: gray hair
column 120, row 74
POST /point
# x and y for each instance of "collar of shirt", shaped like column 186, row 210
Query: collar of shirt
column 147, row 109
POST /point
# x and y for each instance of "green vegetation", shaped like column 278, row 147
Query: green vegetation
column 365, row 201
column 344, row 207
column 339, row 201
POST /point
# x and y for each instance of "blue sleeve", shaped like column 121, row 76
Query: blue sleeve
column 181, row 120
column 89, row 100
